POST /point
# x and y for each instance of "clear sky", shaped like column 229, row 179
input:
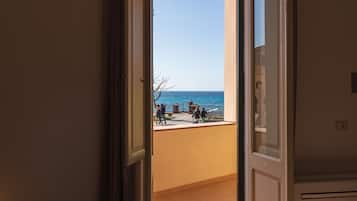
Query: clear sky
column 189, row 43
column 259, row 22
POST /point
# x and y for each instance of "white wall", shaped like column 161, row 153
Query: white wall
column 51, row 107
column 327, row 53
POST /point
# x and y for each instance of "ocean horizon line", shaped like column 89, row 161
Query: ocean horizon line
column 205, row 99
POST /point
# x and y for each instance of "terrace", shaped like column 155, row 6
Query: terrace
column 205, row 163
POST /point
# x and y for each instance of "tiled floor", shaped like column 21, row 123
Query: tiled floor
column 220, row 191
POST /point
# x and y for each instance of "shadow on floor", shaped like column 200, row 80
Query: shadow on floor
column 220, row 191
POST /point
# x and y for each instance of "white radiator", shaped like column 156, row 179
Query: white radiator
column 336, row 190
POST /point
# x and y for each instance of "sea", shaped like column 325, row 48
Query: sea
column 212, row 101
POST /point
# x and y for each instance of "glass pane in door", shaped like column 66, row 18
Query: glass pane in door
column 266, row 75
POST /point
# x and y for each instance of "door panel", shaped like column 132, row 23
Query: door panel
column 266, row 100
column 266, row 77
column 135, row 74
column 265, row 187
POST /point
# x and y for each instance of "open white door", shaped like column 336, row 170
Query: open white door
column 137, row 79
column 266, row 101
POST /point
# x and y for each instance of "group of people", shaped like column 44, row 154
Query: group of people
column 160, row 114
column 198, row 114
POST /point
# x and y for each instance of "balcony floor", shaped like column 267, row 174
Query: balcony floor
column 220, row 191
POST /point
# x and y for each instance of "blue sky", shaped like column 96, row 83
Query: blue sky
column 189, row 42
column 259, row 25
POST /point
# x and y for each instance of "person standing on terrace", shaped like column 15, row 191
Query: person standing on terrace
column 204, row 115
column 158, row 114
column 197, row 115
column 163, row 112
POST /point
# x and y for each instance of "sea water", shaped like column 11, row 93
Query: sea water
column 212, row 101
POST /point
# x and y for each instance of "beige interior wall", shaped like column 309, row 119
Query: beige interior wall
column 230, row 61
column 327, row 47
column 186, row 156
column 52, row 109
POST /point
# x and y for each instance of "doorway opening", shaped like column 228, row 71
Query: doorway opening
column 194, row 100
